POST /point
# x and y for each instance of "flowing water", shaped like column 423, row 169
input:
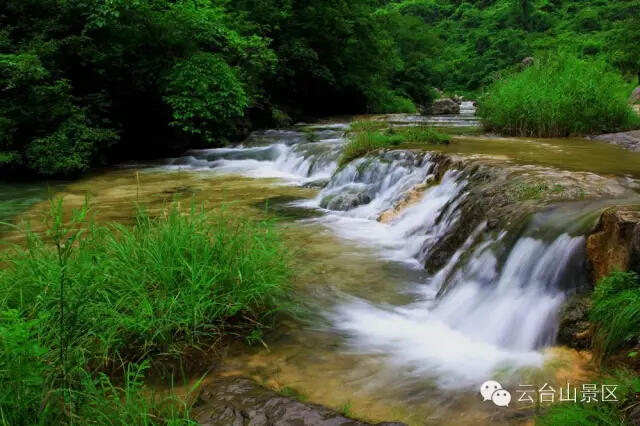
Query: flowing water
column 378, row 334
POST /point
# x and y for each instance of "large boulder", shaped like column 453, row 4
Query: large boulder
column 444, row 106
column 345, row 201
column 629, row 140
column 241, row 402
column 615, row 242
column 635, row 96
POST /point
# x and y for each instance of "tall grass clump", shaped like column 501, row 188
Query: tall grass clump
column 616, row 312
column 559, row 96
column 600, row 413
column 367, row 126
column 366, row 136
column 362, row 143
column 80, row 301
column 424, row 134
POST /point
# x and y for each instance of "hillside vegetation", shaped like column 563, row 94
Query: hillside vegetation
column 89, row 82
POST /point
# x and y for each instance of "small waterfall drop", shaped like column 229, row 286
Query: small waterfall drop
column 495, row 302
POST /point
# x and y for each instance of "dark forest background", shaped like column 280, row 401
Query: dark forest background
column 84, row 83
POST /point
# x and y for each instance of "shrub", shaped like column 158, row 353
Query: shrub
column 558, row 96
column 385, row 101
column 616, row 311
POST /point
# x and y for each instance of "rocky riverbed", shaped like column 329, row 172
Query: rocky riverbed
column 478, row 244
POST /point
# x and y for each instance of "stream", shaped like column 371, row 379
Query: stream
column 379, row 334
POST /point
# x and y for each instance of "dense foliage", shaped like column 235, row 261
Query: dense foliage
column 479, row 39
column 559, row 96
column 85, row 82
column 81, row 301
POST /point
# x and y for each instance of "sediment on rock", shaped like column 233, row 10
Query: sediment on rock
column 237, row 401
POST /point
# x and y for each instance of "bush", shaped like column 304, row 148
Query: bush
column 558, row 96
column 368, row 126
column 616, row 311
column 384, row 101
column 81, row 299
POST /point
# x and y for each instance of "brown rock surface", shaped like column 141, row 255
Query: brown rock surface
column 236, row 401
column 444, row 106
column 615, row 243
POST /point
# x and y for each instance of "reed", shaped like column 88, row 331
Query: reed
column 559, row 96
column 80, row 299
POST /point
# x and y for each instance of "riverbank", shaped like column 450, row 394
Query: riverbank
column 398, row 239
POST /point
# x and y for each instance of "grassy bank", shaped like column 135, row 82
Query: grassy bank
column 615, row 315
column 367, row 136
column 599, row 413
column 559, row 96
column 616, row 312
column 83, row 303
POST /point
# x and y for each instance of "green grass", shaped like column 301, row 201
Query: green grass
column 616, row 312
column 559, row 96
column 367, row 136
column 368, row 126
column 521, row 191
column 598, row 413
column 423, row 134
column 362, row 143
column 81, row 299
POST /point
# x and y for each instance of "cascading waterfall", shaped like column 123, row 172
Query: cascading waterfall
column 493, row 305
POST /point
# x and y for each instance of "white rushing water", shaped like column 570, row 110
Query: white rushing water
column 493, row 306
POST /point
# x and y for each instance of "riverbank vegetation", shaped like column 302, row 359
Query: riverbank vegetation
column 615, row 315
column 88, row 82
column 599, row 413
column 616, row 312
column 85, row 306
column 559, row 96
column 366, row 136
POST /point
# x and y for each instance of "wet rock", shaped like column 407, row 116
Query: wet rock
column 410, row 199
column 635, row 96
column 527, row 62
column 457, row 99
column 318, row 183
column 615, row 242
column 444, row 106
column 574, row 329
column 629, row 140
column 242, row 402
column 345, row 201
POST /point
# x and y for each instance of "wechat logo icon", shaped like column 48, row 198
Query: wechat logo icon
column 492, row 391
